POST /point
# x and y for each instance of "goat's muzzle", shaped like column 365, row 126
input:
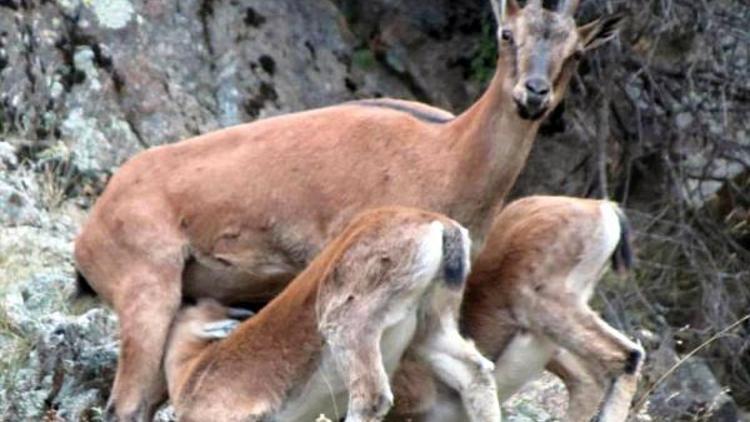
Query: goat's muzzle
column 532, row 98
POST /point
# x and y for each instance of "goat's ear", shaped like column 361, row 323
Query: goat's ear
column 598, row 32
column 217, row 329
column 512, row 8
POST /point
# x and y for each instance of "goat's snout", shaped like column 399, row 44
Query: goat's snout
column 532, row 97
column 537, row 89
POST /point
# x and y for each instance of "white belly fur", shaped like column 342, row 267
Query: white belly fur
column 448, row 409
column 523, row 360
column 325, row 392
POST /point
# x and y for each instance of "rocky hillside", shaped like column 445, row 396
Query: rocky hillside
column 656, row 121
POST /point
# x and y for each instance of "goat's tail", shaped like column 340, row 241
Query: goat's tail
column 83, row 288
column 622, row 258
column 455, row 255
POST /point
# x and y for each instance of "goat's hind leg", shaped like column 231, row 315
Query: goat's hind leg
column 607, row 354
column 457, row 362
column 585, row 391
column 577, row 328
column 616, row 405
column 356, row 351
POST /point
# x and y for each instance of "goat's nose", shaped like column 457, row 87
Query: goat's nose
column 537, row 86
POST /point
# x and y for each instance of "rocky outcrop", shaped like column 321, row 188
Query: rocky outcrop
column 109, row 78
column 691, row 391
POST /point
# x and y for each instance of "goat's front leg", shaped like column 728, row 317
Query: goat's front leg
column 458, row 363
column 357, row 354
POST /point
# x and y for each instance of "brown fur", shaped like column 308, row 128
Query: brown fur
column 530, row 281
column 364, row 282
column 236, row 213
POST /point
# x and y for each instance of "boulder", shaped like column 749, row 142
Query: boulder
column 691, row 392
column 110, row 78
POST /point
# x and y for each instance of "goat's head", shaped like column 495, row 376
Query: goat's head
column 541, row 48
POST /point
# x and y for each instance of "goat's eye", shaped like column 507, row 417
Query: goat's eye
column 578, row 55
column 506, row 35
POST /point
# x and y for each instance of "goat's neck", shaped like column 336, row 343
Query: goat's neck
column 492, row 143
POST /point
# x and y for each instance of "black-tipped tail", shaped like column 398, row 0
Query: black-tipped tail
column 83, row 288
column 622, row 258
column 454, row 257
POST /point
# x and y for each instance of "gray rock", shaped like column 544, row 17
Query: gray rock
column 542, row 400
column 165, row 414
column 683, row 120
column 16, row 208
column 26, row 252
column 68, row 372
column 112, row 77
column 691, row 392
column 8, row 158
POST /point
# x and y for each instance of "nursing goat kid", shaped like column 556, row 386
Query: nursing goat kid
column 235, row 214
column 526, row 307
column 393, row 278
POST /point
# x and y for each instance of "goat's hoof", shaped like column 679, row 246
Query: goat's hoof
column 110, row 413
column 384, row 403
column 381, row 404
column 484, row 365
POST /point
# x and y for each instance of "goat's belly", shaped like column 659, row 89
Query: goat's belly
column 325, row 393
column 395, row 341
column 233, row 284
column 522, row 360
column 447, row 408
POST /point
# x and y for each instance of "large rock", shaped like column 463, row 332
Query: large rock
column 691, row 392
column 112, row 77
column 16, row 208
column 67, row 373
column 541, row 400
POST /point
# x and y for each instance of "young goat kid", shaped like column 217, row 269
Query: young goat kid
column 526, row 308
column 394, row 277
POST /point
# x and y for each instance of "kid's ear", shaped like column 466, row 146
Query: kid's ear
column 601, row 30
column 217, row 329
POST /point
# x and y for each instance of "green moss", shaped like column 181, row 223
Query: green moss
column 364, row 59
column 14, row 349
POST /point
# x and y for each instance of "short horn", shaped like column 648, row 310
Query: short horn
column 498, row 10
column 534, row 3
column 568, row 7
column 503, row 8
